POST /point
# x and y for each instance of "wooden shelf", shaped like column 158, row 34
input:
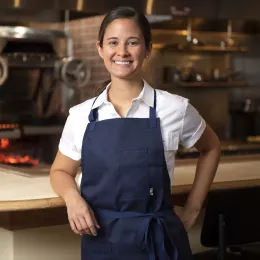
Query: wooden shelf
column 204, row 84
column 194, row 48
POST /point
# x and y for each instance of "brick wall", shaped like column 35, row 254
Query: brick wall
column 84, row 33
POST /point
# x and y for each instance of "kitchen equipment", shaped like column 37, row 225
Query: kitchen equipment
column 229, row 41
column 35, row 65
column 190, row 40
column 226, row 74
column 243, row 121
column 75, row 73
column 3, row 70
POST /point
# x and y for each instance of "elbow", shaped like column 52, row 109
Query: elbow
column 214, row 146
column 209, row 143
column 53, row 174
column 217, row 149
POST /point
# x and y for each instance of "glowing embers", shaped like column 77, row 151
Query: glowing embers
column 10, row 156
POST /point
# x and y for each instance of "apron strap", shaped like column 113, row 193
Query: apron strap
column 93, row 116
column 152, row 117
column 93, row 112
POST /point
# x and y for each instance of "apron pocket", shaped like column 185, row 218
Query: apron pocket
column 133, row 179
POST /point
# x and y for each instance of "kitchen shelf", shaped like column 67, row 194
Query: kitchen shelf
column 42, row 130
column 204, row 84
column 194, row 48
column 10, row 134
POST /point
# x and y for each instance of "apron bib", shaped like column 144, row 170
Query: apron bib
column 126, row 183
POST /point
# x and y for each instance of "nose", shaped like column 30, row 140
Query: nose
column 122, row 50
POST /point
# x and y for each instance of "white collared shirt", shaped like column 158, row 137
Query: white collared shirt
column 180, row 121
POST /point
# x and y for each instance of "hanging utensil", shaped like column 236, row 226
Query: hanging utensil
column 75, row 72
column 3, row 70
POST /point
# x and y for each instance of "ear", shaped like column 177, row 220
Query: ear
column 149, row 50
column 100, row 50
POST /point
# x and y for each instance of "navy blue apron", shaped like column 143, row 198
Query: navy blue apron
column 126, row 183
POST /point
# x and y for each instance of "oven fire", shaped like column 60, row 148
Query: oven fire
column 14, row 159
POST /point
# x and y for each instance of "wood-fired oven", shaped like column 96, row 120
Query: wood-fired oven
column 34, row 68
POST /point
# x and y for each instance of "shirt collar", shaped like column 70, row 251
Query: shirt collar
column 147, row 95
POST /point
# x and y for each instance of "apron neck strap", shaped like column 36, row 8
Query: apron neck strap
column 93, row 115
column 152, row 117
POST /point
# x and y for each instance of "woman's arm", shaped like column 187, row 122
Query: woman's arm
column 209, row 147
column 62, row 178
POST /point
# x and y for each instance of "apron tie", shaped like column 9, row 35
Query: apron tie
column 152, row 225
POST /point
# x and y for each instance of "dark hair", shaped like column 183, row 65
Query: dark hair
column 129, row 13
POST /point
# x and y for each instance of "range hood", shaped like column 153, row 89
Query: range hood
column 149, row 7
column 162, row 14
column 52, row 10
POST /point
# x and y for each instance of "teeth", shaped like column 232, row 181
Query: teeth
column 122, row 62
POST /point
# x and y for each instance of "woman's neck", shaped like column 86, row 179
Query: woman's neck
column 124, row 91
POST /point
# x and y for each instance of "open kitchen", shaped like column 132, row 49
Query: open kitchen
column 206, row 51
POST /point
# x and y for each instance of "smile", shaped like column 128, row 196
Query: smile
column 123, row 62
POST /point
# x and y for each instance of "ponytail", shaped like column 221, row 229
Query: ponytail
column 99, row 89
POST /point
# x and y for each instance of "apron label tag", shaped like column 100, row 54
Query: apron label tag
column 151, row 191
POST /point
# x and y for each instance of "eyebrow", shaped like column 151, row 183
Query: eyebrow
column 115, row 38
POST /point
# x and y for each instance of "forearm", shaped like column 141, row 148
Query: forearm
column 63, row 184
column 205, row 173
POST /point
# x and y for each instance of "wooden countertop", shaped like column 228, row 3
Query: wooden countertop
column 21, row 193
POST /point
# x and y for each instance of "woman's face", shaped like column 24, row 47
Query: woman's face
column 123, row 49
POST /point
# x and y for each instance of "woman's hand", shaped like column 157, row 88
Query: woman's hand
column 80, row 215
column 187, row 217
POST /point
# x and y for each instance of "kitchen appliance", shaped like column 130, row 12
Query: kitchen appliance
column 244, row 119
column 34, row 69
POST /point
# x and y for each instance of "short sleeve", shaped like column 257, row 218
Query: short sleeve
column 192, row 128
column 67, row 144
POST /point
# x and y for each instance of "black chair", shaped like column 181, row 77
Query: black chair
column 231, row 223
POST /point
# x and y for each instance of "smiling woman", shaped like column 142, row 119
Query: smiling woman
column 126, row 148
column 123, row 49
column 125, row 40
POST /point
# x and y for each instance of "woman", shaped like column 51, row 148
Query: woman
column 125, row 140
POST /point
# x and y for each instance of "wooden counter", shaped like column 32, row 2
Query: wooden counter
column 34, row 194
column 19, row 192
column 233, row 172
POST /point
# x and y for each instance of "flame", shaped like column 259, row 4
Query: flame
column 15, row 159
column 4, row 143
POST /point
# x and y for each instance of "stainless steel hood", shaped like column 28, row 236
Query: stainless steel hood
column 49, row 10
column 89, row 6
column 163, row 14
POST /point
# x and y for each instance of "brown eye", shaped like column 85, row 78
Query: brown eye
column 113, row 43
column 133, row 43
